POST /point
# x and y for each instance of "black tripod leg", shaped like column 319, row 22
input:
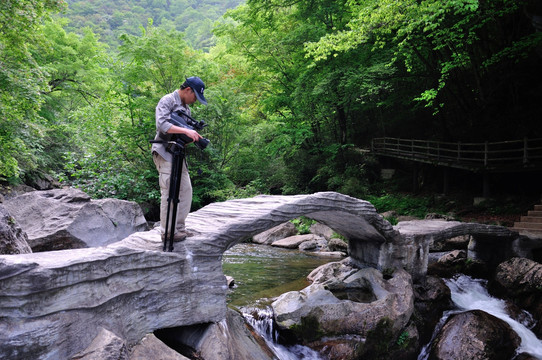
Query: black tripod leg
column 174, row 190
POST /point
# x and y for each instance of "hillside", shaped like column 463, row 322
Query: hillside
column 110, row 19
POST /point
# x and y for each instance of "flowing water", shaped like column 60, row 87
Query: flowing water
column 262, row 273
column 471, row 294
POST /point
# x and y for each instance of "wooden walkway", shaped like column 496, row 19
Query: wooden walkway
column 487, row 157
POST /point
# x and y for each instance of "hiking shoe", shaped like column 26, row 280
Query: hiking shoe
column 180, row 236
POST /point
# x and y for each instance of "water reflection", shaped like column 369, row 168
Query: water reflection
column 262, row 272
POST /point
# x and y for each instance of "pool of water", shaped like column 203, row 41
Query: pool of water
column 263, row 272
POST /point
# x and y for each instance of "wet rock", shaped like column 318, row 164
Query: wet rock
column 432, row 298
column 520, row 280
column 475, row 335
column 13, row 240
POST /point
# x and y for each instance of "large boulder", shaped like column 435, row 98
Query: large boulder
column 13, row 240
column 475, row 335
column 278, row 232
column 520, row 280
column 68, row 219
column 344, row 301
column 231, row 338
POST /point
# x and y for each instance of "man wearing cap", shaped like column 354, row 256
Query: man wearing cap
column 191, row 90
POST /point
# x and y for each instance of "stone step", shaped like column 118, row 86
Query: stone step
column 527, row 225
column 524, row 231
column 534, row 213
column 531, row 219
column 538, row 207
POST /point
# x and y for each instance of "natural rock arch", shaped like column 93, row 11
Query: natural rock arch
column 54, row 303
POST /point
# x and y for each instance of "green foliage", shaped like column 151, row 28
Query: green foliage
column 303, row 224
column 112, row 19
column 405, row 204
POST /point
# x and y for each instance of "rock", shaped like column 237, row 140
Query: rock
column 475, row 335
column 275, row 233
column 54, row 304
column 490, row 244
column 315, row 312
column 455, row 243
column 432, row 298
column 68, row 218
column 520, row 280
column 329, row 254
column 152, row 348
column 228, row 339
column 105, row 346
column 293, row 242
column 453, row 257
column 13, row 240
column 315, row 244
column 337, row 245
column 321, row 230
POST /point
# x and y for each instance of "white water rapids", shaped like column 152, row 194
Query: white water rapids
column 471, row 294
column 264, row 326
column 467, row 294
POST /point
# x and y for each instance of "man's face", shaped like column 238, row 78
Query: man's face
column 191, row 96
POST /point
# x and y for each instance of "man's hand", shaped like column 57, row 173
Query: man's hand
column 192, row 134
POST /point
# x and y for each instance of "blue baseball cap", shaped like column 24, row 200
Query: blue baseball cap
column 198, row 87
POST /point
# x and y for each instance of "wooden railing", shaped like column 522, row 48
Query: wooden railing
column 488, row 156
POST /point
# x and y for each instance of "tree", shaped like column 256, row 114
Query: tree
column 22, row 80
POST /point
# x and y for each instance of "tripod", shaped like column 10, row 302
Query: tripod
column 177, row 150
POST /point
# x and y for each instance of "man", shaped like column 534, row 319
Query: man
column 191, row 90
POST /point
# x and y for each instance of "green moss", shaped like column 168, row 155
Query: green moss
column 309, row 329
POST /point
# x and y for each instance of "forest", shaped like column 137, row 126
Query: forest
column 296, row 89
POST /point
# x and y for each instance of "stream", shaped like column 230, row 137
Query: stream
column 262, row 273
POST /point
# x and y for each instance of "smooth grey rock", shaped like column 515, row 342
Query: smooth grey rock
column 150, row 348
column 319, row 308
column 231, row 338
column 13, row 240
column 68, row 219
column 321, row 230
column 489, row 243
column 337, row 245
column 105, row 346
column 475, row 335
column 54, row 304
column 278, row 232
column 293, row 242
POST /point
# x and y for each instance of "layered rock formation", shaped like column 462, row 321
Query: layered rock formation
column 69, row 219
column 54, row 304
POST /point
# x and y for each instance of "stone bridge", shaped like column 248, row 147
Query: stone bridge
column 53, row 304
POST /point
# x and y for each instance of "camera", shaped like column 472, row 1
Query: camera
column 182, row 119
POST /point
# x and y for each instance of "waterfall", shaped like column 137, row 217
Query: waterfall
column 262, row 321
column 471, row 294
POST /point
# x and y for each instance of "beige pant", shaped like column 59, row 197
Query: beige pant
column 185, row 193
